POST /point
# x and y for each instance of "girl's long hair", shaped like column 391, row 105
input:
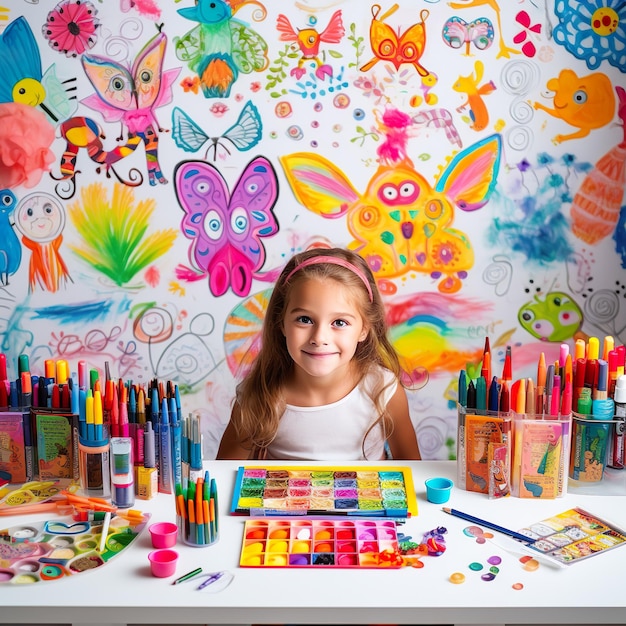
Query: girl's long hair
column 260, row 401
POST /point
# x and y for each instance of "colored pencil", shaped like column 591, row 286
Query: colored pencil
column 491, row 525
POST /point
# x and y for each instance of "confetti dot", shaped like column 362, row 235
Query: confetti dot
column 318, row 106
column 518, row 586
column 494, row 570
column 341, row 101
column 475, row 567
column 488, row 577
column 531, row 565
column 494, row 560
column 481, row 540
column 358, row 114
column 457, row 578
column 295, row 132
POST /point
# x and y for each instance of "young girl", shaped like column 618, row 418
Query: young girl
column 325, row 384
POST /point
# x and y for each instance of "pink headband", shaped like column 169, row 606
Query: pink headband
column 316, row 260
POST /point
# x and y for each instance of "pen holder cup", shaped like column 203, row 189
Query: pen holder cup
column 196, row 535
column 591, row 441
column 540, row 455
column 93, row 468
column 483, row 451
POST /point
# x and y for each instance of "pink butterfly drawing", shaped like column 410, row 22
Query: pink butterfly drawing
column 456, row 32
column 130, row 95
column 226, row 228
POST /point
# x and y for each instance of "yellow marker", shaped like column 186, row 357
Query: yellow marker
column 593, row 348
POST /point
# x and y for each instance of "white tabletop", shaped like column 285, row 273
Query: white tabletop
column 123, row 591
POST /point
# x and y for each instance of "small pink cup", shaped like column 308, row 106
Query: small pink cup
column 163, row 562
column 163, row 534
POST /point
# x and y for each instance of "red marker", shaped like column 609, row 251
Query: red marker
column 3, row 367
column 507, row 372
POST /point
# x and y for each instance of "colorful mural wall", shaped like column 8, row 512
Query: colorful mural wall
column 160, row 160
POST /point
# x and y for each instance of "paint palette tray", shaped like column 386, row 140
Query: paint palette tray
column 52, row 550
column 369, row 491
column 329, row 543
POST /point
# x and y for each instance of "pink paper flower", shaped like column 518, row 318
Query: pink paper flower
column 25, row 140
column 71, row 27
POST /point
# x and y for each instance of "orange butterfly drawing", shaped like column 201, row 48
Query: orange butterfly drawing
column 387, row 45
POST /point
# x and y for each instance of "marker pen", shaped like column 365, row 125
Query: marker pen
column 617, row 441
column 600, row 391
column 165, row 450
column 462, row 390
column 613, row 375
column 593, row 348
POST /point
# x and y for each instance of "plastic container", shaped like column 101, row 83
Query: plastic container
column 163, row 534
column 93, row 468
column 540, row 455
column 163, row 562
column 438, row 490
column 483, row 437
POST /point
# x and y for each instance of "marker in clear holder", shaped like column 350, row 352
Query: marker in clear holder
column 483, row 450
column 197, row 514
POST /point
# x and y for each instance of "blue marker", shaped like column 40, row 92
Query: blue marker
column 165, row 451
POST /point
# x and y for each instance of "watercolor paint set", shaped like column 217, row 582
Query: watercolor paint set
column 51, row 550
column 319, row 542
column 367, row 491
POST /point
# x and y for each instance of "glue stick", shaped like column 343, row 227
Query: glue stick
column 122, row 472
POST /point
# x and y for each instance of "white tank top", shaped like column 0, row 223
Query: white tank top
column 333, row 432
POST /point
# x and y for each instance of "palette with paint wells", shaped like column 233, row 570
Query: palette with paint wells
column 52, row 550
column 368, row 491
column 319, row 543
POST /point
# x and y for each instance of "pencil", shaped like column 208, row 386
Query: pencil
column 491, row 525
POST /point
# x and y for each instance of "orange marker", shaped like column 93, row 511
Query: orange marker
column 541, row 384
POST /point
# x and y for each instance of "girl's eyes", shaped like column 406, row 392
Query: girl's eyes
column 305, row 319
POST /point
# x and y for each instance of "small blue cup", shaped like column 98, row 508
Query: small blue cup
column 438, row 490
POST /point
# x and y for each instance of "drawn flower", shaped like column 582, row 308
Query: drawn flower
column 71, row 27
column 190, row 84
column 25, row 139
column 592, row 31
column 255, row 86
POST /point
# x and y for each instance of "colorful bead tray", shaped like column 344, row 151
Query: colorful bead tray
column 368, row 491
column 319, row 543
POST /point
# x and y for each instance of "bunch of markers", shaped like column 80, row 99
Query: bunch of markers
column 197, row 511
column 144, row 420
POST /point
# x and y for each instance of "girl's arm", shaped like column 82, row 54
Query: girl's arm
column 230, row 446
column 403, row 440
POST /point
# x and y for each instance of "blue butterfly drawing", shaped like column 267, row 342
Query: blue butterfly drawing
column 245, row 133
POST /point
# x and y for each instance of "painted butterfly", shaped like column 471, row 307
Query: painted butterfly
column 244, row 134
column 457, row 32
column 226, row 228
column 131, row 95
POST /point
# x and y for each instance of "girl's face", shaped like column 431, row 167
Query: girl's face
column 322, row 327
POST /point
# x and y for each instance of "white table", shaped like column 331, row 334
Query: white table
column 124, row 592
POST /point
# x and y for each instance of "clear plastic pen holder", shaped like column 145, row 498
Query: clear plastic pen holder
column 483, row 451
column 541, row 453
column 591, row 439
column 197, row 535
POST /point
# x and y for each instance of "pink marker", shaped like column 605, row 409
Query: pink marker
column 82, row 375
column 564, row 351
